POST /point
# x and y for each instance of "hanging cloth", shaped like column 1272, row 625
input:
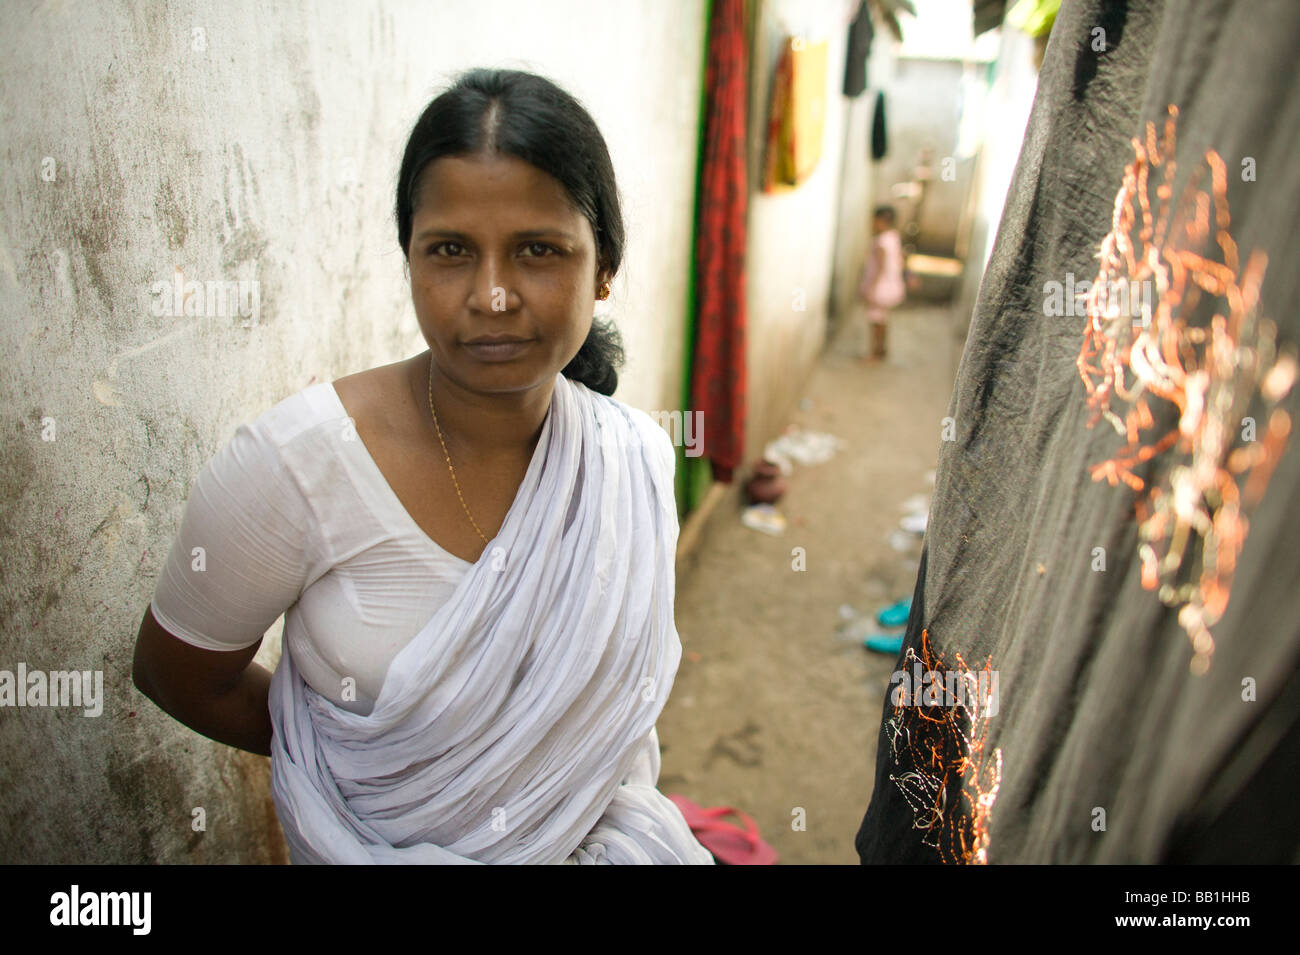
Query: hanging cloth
column 861, row 33
column 718, row 370
column 798, row 114
column 878, row 128
column 1111, row 551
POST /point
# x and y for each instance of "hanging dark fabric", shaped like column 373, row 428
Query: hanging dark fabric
column 878, row 143
column 861, row 33
column 1111, row 544
column 718, row 378
column 988, row 14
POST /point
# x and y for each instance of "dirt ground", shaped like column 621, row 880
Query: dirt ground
column 774, row 710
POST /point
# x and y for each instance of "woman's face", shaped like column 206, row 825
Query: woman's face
column 503, row 272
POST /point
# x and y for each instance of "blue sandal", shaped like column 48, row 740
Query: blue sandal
column 884, row 643
column 895, row 615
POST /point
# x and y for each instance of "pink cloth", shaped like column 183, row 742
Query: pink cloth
column 881, row 286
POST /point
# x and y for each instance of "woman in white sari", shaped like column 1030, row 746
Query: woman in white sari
column 473, row 548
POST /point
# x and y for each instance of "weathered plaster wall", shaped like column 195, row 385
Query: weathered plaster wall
column 791, row 235
column 227, row 141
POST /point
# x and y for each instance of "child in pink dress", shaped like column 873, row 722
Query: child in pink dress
column 881, row 286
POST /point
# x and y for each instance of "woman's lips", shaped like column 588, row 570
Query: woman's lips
column 486, row 349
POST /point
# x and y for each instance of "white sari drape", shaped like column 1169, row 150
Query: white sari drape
column 518, row 725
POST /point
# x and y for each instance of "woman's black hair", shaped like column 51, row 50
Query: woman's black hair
column 524, row 115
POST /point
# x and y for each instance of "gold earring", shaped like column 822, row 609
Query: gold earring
column 604, row 292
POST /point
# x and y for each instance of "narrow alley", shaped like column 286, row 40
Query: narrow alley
column 777, row 704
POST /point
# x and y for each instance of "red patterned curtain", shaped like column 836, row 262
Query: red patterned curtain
column 718, row 369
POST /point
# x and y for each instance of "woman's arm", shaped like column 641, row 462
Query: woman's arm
column 221, row 694
column 240, row 558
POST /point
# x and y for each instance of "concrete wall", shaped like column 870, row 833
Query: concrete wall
column 858, row 178
column 1010, row 99
column 935, row 84
column 922, row 109
column 792, row 235
column 222, row 141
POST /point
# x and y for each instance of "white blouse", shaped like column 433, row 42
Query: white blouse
column 294, row 516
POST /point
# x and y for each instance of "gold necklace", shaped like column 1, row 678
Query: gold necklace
column 454, row 482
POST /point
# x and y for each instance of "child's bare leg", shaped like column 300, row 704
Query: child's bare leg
column 875, row 323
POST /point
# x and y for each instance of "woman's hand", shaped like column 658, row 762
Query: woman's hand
column 221, row 694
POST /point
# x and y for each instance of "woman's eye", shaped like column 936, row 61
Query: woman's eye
column 450, row 249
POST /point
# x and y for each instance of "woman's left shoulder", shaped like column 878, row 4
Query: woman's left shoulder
column 643, row 429
column 635, row 416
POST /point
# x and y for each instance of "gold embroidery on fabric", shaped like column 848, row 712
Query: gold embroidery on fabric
column 1191, row 512
column 949, row 783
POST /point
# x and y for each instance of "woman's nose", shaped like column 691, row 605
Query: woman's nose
column 493, row 290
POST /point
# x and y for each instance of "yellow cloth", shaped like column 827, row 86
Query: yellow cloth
column 798, row 114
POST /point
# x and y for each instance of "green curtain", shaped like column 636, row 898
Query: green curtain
column 693, row 474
